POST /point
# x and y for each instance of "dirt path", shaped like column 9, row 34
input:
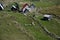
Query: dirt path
column 46, row 30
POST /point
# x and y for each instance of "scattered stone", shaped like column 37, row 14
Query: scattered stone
column 27, row 24
column 33, row 23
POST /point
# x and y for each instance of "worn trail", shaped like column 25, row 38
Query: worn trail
column 46, row 30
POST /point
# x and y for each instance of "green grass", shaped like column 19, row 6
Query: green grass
column 43, row 4
column 52, row 25
column 12, row 25
column 9, row 30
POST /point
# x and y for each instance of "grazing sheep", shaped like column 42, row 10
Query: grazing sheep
column 1, row 7
column 24, row 8
column 15, row 7
column 32, row 7
column 47, row 17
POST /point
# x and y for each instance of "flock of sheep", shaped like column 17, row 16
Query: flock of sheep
column 26, row 7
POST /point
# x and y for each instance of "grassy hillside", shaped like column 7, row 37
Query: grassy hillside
column 16, row 26
column 53, row 25
column 12, row 27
